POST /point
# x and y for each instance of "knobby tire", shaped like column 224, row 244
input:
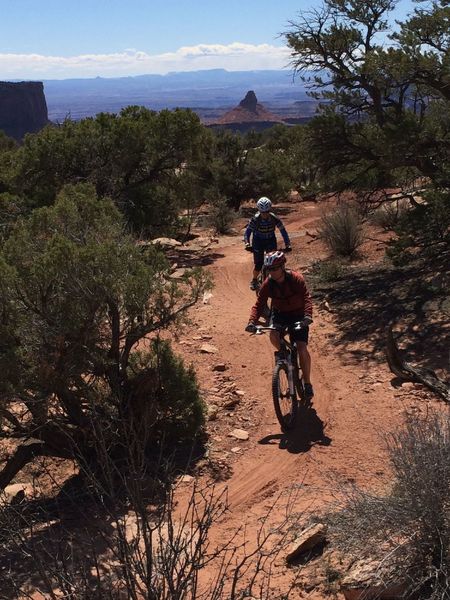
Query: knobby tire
column 286, row 406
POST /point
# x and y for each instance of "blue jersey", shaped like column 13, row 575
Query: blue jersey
column 264, row 229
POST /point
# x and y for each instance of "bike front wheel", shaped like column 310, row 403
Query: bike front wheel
column 285, row 403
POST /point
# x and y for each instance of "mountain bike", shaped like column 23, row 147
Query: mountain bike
column 287, row 377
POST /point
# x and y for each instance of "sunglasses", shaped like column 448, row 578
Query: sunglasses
column 273, row 268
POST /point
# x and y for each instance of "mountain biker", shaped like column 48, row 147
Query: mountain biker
column 291, row 302
column 262, row 225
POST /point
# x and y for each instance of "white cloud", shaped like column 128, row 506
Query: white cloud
column 233, row 57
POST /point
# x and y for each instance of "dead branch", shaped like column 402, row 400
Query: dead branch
column 407, row 195
column 21, row 457
column 407, row 372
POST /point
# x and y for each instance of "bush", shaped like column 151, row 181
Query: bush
column 390, row 213
column 166, row 396
column 77, row 300
column 221, row 217
column 342, row 230
column 328, row 270
column 137, row 158
column 409, row 527
column 425, row 228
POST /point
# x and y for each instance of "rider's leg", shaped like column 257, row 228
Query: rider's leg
column 258, row 258
column 305, row 361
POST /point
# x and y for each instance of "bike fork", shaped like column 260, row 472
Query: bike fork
column 291, row 374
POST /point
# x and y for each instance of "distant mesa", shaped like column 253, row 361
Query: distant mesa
column 23, row 108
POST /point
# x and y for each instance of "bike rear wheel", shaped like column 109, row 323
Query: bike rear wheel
column 285, row 403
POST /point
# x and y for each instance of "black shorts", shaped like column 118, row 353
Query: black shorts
column 259, row 248
column 279, row 319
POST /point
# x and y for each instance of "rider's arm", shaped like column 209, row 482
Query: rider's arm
column 283, row 232
column 307, row 301
column 258, row 308
column 249, row 230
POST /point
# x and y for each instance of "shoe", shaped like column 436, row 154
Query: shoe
column 254, row 284
column 309, row 392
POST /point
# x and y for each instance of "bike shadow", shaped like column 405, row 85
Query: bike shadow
column 309, row 431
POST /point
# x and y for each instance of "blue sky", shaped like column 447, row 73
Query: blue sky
column 45, row 39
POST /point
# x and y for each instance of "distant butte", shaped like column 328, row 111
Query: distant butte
column 250, row 102
column 249, row 110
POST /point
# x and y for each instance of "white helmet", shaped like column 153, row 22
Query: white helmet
column 264, row 204
column 275, row 259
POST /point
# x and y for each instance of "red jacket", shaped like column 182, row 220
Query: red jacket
column 291, row 296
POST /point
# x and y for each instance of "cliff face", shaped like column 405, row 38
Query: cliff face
column 23, row 108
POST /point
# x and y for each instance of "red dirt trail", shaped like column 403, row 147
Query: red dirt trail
column 339, row 439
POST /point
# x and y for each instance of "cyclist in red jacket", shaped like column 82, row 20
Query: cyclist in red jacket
column 291, row 302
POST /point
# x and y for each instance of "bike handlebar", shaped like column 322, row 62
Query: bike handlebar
column 260, row 329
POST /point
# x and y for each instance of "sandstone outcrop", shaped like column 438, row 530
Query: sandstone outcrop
column 23, row 108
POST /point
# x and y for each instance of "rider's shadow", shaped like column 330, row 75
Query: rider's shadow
column 309, row 431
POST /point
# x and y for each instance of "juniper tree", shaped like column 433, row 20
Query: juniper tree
column 80, row 311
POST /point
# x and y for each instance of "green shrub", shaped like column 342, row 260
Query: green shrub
column 221, row 217
column 389, row 214
column 328, row 270
column 425, row 228
column 167, row 401
column 342, row 230
column 78, row 297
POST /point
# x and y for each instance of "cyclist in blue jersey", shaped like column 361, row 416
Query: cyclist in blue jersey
column 262, row 229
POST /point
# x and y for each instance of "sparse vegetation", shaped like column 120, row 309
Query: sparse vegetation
column 87, row 370
column 408, row 529
column 390, row 213
column 342, row 230
column 327, row 271
column 125, row 536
